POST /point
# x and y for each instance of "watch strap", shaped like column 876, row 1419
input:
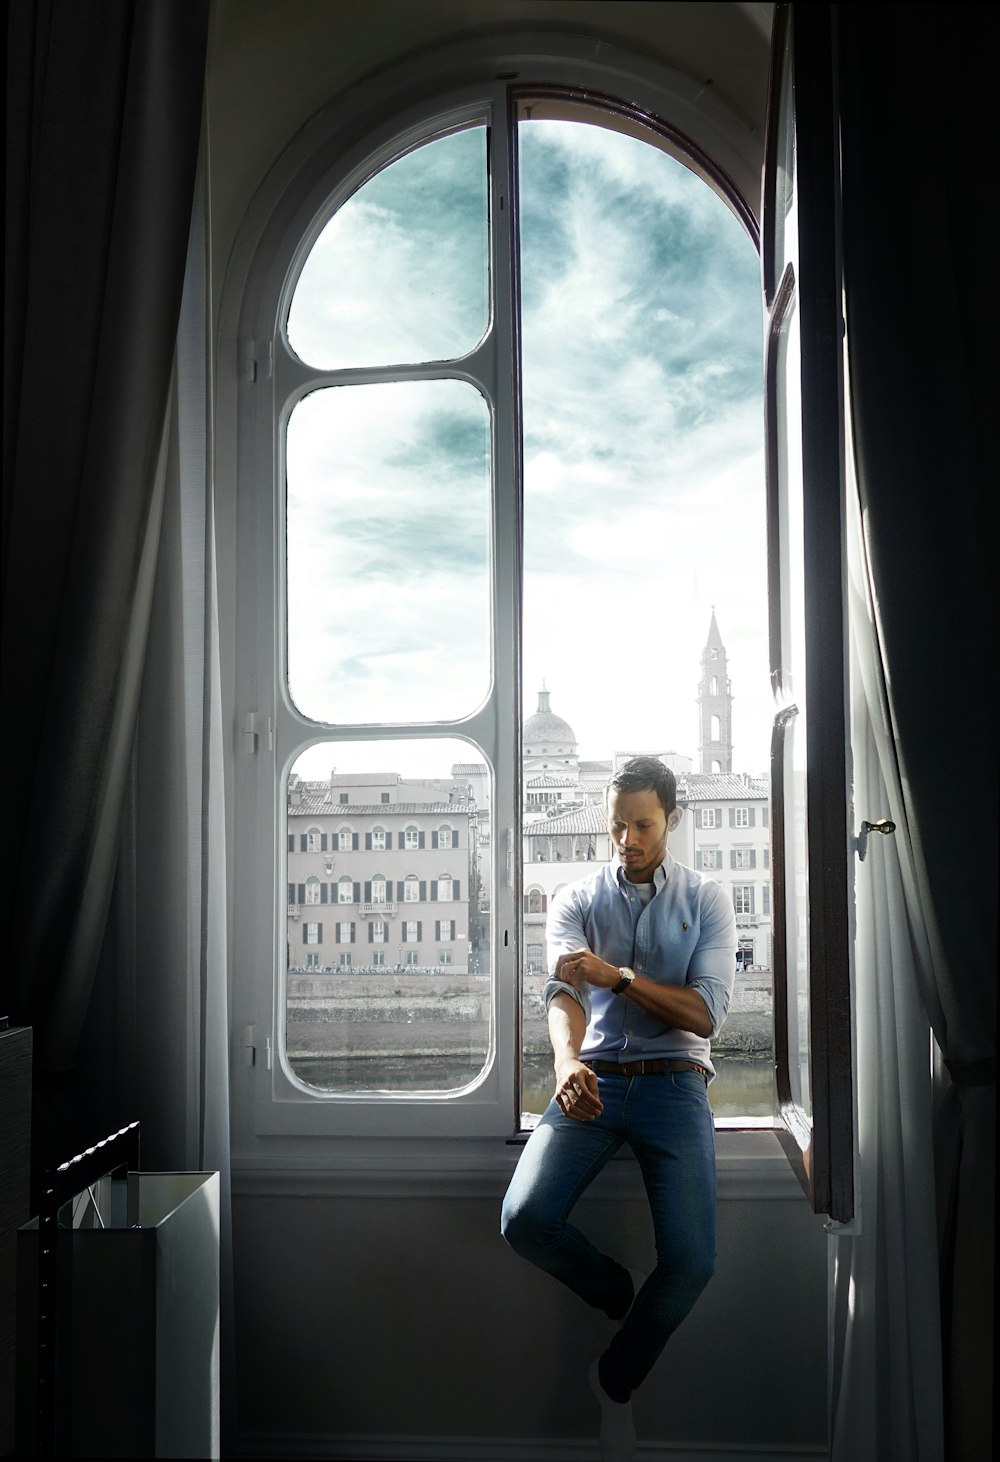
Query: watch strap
column 627, row 976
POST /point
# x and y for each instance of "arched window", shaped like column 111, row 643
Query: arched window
column 392, row 308
column 312, row 890
column 314, row 840
column 345, row 890
column 378, row 837
column 378, row 888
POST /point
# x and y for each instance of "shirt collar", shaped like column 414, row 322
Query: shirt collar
column 660, row 874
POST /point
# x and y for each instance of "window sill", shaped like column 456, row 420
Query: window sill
column 751, row 1165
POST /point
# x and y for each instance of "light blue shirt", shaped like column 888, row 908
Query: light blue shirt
column 684, row 935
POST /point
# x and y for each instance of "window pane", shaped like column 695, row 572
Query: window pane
column 792, row 682
column 388, row 490
column 379, row 1009
column 643, row 513
column 400, row 273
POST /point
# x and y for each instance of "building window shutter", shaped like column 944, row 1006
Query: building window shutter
column 357, row 890
column 732, row 857
column 368, row 890
column 732, row 817
column 302, row 842
column 319, row 933
column 434, row 890
column 434, row 840
column 322, row 893
column 322, row 842
column 368, row 842
column 437, row 928
column 291, row 893
column 355, row 841
column 302, row 893
column 420, row 930
column 388, row 840
column 371, row 932
column 422, row 894
column 354, row 931
column 752, row 814
column 400, row 892
column 699, row 859
column 698, row 817
column 420, row 840
column 753, row 857
column 291, row 842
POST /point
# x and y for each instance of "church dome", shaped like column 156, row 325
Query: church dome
column 545, row 730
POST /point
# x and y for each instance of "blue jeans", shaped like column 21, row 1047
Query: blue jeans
column 668, row 1123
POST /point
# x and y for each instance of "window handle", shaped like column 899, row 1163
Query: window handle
column 510, row 857
column 883, row 826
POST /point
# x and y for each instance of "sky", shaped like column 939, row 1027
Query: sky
column 643, row 450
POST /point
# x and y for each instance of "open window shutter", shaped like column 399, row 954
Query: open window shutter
column 400, row 892
column 751, row 817
column 302, row 893
column 322, row 893
column 420, row 930
column 368, row 890
column 805, row 486
column 456, row 888
column 291, row 893
column 354, row 931
column 368, row 842
column 291, row 842
column 420, row 840
column 698, row 817
column 303, row 842
column 422, row 894
column 732, row 857
column 355, row 841
column 753, row 857
column 371, row 932
column 323, row 841
column 732, row 817
column 357, row 893
column 437, row 928
column 434, row 840
column 319, row 933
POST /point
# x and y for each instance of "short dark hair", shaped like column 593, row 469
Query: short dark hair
column 645, row 774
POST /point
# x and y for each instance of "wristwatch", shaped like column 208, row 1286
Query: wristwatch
column 627, row 976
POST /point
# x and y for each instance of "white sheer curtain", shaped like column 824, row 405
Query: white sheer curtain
column 180, row 815
column 885, row 1344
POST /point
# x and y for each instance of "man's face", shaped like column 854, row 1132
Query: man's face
column 638, row 827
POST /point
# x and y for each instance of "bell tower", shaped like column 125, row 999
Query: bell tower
column 715, row 706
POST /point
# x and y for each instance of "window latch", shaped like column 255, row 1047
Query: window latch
column 249, row 1049
column 883, row 826
column 255, row 725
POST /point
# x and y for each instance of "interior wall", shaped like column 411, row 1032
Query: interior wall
column 411, row 1319
column 405, row 1316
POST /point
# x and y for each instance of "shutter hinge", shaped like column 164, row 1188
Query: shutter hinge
column 258, row 356
column 257, row 724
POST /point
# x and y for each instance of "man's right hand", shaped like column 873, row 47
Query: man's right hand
column 577, row 1090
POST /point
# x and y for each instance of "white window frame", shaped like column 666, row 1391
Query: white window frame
column 345, row 884
column 312, row 891
column 281, row 225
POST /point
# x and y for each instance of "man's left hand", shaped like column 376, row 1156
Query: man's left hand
column 581, row 965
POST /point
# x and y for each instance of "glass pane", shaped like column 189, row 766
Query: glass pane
column 644, row 526
column 785, row 221
column 793, row 671
column 388, row 495
column 400, row 274
column 388, row 947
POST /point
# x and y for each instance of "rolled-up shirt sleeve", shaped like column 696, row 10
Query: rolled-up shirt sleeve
column 564, row 933
column 712, row 971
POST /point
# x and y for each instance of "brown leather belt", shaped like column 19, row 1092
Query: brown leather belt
column 651, row 1067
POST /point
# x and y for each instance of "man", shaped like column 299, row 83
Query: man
column 642, row 959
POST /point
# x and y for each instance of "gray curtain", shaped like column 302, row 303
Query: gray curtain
column 919, row 143
column 104, row 116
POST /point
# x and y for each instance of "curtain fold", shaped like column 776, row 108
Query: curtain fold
column 918, row 138
column 104, row 115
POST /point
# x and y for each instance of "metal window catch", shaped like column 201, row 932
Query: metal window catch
column 883, row 826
